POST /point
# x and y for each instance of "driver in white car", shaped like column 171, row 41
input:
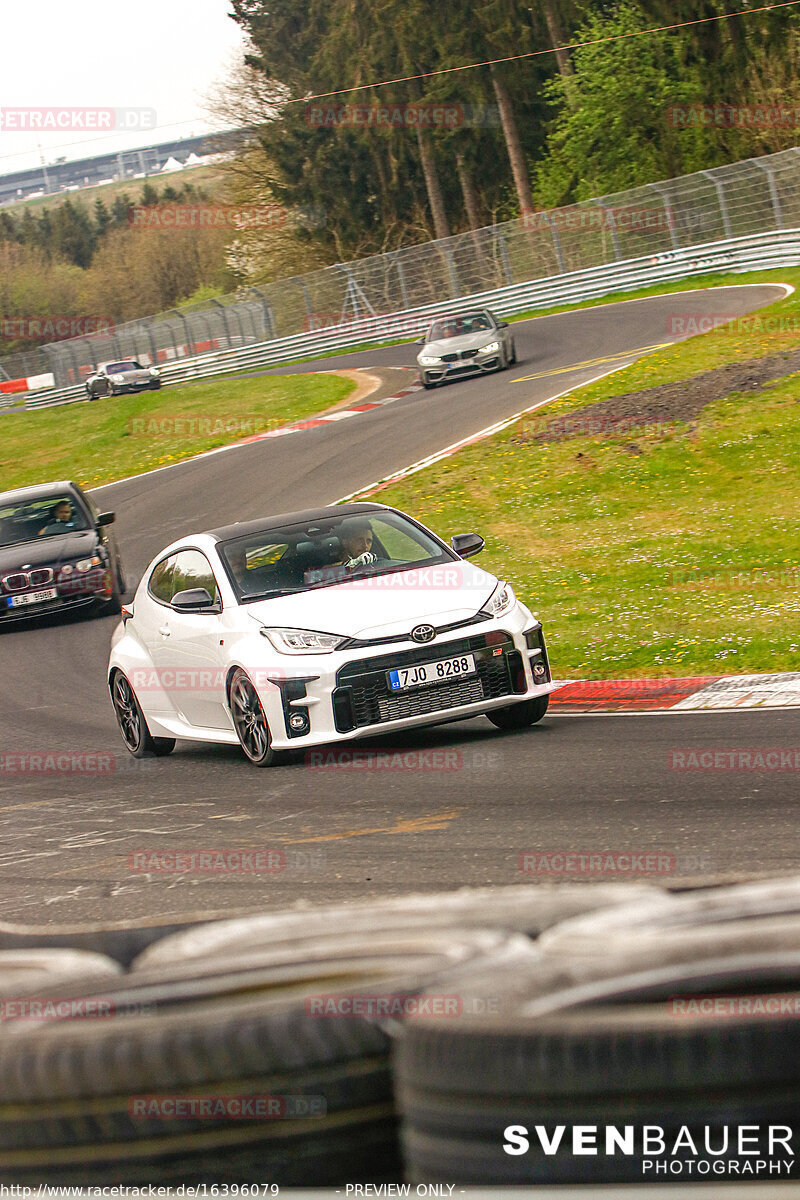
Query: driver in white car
column 355, row 538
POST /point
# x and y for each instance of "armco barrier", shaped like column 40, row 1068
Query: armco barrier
column 763, row 251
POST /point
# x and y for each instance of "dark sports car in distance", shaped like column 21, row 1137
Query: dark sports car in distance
column 56, row 553
column 126, row 376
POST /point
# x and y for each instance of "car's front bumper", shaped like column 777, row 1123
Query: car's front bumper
column 92, row 588
column 482, row 364
column 346, row 695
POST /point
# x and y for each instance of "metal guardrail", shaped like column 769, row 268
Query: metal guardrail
column 764, row 251
column 736, row 200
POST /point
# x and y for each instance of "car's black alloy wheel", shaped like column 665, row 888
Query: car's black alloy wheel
column 249, row 721
column 132, row 724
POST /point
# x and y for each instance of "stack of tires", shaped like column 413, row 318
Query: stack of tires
column 681, row 1013
column 417, row 1038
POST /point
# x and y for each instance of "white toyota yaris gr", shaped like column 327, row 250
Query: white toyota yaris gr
column 318, row 627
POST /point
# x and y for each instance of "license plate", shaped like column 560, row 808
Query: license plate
column 32, row 598
column 427, row 673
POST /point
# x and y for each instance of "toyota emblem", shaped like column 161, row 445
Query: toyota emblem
column 423, row 633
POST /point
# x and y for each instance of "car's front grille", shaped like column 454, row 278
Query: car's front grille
column 449, row 358
column 363, row 696
column 469, row 353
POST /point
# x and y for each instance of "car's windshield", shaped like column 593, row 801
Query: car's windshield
column 298, row 558
column 28, row 520
column 450, row 327
column 120, row 367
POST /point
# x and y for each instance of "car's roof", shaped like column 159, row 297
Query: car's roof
column 39, row 491
column 123, row 359
column 243, row 528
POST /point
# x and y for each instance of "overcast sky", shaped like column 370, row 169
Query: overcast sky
column 148, row 54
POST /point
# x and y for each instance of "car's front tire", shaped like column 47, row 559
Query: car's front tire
column 512, row 360
column 132, row 724
column 520, row 716
column 249, row 720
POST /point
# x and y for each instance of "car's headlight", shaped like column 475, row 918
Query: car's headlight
column 86, row 564
column 303, row 641
column 427, row 361
column 492, row 348
column 501, row 600
column 117, row 378
column 154, row 371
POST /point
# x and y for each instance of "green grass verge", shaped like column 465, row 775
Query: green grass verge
column 113, row 438
column 677, row 558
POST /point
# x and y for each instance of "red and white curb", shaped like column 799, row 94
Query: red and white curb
column 33, row 383
column 692, row 694
column 315, row 422
column 282, row 431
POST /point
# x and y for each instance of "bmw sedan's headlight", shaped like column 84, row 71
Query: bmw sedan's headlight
column 501, row 600
column 86, row 564
column 155, row 373
column 117, row 378
column 427, row 361
column 492, row 348
column 303, row 641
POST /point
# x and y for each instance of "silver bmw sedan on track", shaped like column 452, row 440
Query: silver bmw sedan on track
column 473, row 343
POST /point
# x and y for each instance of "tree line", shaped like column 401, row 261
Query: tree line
column 439, row 152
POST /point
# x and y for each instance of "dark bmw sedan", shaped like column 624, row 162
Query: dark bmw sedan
column 56, row 553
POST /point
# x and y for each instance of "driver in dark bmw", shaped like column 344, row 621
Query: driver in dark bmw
column 56, row 553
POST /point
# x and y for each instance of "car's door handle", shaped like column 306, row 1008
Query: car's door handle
column 165, row 631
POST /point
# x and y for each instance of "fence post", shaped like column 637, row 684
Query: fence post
column 444, row 247
column 401, row 274
column 723, row 203
column 224, row 321
column 613, row 227
column 659, row 190
column 556, row 242
column 773, row 190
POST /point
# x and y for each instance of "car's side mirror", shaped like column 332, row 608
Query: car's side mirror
column 106, row 518
column 502, row 324
column 467, row 545
column 194, row 600
column 420, row 342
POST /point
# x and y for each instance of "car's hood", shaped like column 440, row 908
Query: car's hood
column 383, row 605
column 467, row 341
column 47, row 552
column 135, row 376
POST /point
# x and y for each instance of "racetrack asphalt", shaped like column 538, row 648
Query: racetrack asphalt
column 453, row 805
